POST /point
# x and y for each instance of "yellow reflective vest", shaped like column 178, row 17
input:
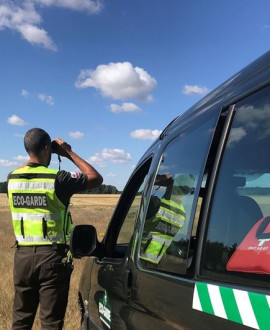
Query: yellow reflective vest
column 38, row 216
column 160, row 230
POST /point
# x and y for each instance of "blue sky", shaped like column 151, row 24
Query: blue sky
column 107, row 76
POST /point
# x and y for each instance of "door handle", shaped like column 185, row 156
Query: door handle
column 127, row 282
column 98, row 261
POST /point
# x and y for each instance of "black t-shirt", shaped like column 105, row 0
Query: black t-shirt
column 67, row 184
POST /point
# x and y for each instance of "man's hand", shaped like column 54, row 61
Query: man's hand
column 62, row 148
column 94, row 179
column 164, row 179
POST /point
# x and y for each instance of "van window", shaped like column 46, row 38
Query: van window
column 127, row 228
column 121, row 227
column 237, row 246
column 166, row 238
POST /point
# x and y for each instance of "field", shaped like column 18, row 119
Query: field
column 86, row 209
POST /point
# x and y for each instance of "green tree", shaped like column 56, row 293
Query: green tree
column 3, row 187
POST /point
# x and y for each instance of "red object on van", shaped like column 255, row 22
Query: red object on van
column 253, row 254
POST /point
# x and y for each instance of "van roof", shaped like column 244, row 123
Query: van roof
column 251, row 77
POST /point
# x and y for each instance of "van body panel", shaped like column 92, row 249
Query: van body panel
column 165, row 303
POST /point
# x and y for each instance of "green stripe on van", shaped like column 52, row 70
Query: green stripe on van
column 261, row 309
column 205, row 298
column 230, row 304
column 243, row 307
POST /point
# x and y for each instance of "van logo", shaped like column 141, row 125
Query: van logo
column 262, row 241
column 104, row 310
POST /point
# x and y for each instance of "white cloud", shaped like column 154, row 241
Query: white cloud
column 7, row 163
column 119, row 80
column 25, row 20
column 236, row 135
column 36, row 35
column 97, row 159
column 111, row 175
column 145, row 134
column 13, row 16
column 91, row 6
column 253, row 117
column 23, row 17
column 15, row 120
column 195, row 89
column 116, row 156
column 19, row 135
column 25, row 93
column 21, row 159
column 46, row 98
column 76, row 135
column 125, row 107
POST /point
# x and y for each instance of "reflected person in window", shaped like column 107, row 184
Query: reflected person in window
column 165, row 217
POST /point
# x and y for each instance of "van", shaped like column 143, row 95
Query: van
column 188, row 244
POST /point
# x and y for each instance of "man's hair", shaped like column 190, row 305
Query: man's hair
column 35, row 140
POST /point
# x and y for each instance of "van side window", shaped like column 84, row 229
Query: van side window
column 129, row 205
column 166, row 239
column 127, row 228
column 237, row 245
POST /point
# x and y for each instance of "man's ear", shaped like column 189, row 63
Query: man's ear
column 47, row 146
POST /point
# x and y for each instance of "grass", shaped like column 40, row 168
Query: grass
column 86, row 209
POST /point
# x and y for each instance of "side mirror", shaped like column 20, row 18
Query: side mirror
column 83, row 240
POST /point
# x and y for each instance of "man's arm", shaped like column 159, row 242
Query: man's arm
column 94, row 179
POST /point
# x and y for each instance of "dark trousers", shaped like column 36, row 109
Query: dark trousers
column 40, row 278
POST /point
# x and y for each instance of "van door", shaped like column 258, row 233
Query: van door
column 234, row 275
column 162, row 273
column 110, row 282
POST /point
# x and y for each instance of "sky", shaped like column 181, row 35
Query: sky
column 107, row 76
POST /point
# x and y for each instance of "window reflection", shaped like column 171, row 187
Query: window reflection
column 166, row 238
column 242, row 195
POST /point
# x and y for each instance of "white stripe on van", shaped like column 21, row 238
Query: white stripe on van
column 216, row 297
column 245, row 308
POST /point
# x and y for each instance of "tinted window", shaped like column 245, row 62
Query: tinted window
column 235, row 250
column 166, row 243
column 128, row 224
column 132, row 197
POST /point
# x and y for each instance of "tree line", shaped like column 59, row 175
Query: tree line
column 3, row 187
column 102, row 189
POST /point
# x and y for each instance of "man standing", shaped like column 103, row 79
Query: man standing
column 39, row 200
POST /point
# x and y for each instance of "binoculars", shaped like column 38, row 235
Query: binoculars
column 55, row 147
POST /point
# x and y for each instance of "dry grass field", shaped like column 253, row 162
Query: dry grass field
column 86, row 209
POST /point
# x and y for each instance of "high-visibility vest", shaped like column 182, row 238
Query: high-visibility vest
column 38, row 216
column 160, row 230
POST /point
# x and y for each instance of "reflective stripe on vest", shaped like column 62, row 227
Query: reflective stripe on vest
column 161, row 230
column 158, row 247
column 39, row 239
column 31, row 185
column 171, row 216
column 38, row 216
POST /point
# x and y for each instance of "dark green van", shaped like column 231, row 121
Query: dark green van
column 188, row 245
